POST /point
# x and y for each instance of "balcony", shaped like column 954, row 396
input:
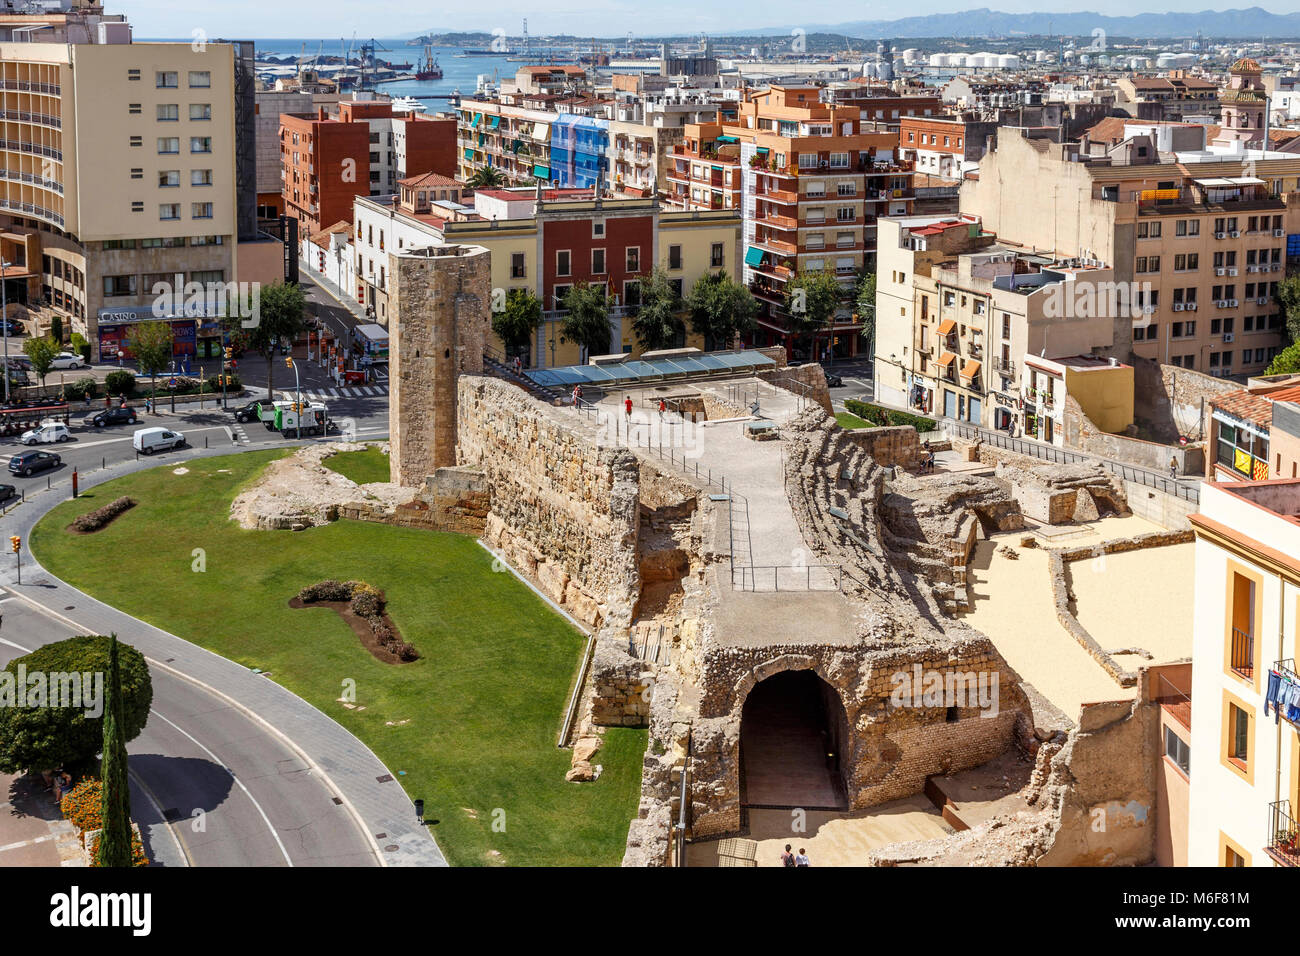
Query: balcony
column 783, row 196
column 773, row 221
column 1243, row 653
column 1284, row 836
column 1004, row 366
column 777, row 246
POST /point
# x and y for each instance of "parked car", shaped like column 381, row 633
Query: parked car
column 246, row 413
column 833, row 380
column 31, row 461
column 66, row 360
column 46, row 433
column 7, row 492
column 10, row 327
column 20, row 361
column 150, row 440
column 112, row 416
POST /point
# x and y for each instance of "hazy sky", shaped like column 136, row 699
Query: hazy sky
column 336, row 18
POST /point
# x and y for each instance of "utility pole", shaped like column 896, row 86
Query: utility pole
column 288, row 360
column 4, row 319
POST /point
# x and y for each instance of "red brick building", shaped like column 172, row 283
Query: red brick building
column 365, row 151
column 614, row 252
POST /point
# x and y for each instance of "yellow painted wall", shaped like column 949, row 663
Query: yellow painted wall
column 1105, row 394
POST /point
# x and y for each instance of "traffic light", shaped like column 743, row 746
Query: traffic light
column 16, row 543
column 288, row 362
column 229, row 352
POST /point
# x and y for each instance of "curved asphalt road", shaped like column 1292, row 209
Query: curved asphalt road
column 278, row 782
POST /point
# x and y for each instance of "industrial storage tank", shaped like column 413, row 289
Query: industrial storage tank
column 1009, row 61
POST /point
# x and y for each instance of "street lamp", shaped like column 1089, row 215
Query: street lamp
column 289, row 362
column 4, row 319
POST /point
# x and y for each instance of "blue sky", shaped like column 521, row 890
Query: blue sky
column 335, row 18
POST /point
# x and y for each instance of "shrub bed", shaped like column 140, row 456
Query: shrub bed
column 367, row 603
column 877, row 415
column 94, row 520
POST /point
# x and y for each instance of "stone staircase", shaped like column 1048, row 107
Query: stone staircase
column 497, row 367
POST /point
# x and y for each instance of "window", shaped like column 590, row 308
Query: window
column 200, row 177
column 200, row 111
column 1177, row 751
column 134, row 109
column 597, row 229
column 633, row 258
column 1238, row 736
column 168, row 80
column 200, row 79
column 119, row 285
column 171, row 242
column 201, row 210
column 110, row 244
column 168, row 112
column 597, row 262
column 1242, row 652
column 168, row 144
column 207, row 240
column 169, row 177
column 674, row 257
column 200, row 144
column 563, row 266
column 209, row 275
column 715, row 256
column 137, row 173
column 517, row 267
column 137, row 207
column 169, row 210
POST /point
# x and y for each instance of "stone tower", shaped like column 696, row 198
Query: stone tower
column 439, row 320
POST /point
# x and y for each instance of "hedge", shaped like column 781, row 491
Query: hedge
column 119, row 382
column 879, row 415
column 367, row 603
column 94, row 520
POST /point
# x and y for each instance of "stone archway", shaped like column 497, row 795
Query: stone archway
column 794, row 742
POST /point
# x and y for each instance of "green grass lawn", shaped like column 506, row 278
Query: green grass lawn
column 362, row 467
column 850, row 421
column 475, row 719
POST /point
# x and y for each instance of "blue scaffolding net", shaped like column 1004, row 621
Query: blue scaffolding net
column 578, row 145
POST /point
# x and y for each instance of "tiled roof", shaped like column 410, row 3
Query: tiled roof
column 1246, row 405
column 430, row 179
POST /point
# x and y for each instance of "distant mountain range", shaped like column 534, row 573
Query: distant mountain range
column 1250, row 23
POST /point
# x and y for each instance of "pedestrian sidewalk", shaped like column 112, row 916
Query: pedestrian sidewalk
column 333, row 291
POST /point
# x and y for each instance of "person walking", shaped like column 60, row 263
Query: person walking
column 1173, row 468
column 577, row 395
column 663, row 407
column 802, row 858
column 148, row 406
column 627, row 407
column 787, row 858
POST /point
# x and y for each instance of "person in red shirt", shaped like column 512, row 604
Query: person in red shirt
column 627, row 407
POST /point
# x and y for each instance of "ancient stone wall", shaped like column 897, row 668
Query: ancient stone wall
column 810, row 379
column 452, row 499
column 1080, row 434
column 889, row 444
column 1169, row 400
column 564, row 510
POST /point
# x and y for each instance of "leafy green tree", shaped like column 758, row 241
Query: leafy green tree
column 811, row 299
column 39, row 738
column 866, row 306
column 56, row 328
column 279, row 315
column 114, row 846
column 151, row 344
column 42, row 353
column 1286, row 362
column 1288, row 295
column 721, row 309
column 657, row 324
column 487, row 177
column 588, row 320
column 515, row 324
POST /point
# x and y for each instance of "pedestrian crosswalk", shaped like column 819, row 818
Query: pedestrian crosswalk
column 355, row 391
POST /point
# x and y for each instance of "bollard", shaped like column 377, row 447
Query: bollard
column 74, row 482
column 205, row 441
column 103, row 462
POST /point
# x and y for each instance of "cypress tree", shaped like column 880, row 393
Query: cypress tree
column 114, row 847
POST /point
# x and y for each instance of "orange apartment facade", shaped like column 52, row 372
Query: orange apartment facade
column 365, row 151
column 810, row 182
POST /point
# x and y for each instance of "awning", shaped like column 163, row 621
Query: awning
column 542, row 172
column 496, row 121
column 728, row 139
column 478, row 118
column 946, row 359
column 469, row 152
column 541, row 132
column 946, row 326
column 763, row 149
column 753, row 256
column 970, row 369
column 514, row 147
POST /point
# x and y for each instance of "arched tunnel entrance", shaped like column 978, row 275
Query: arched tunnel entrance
column 793, row 744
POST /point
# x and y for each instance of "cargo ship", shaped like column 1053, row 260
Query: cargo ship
column 429, row 68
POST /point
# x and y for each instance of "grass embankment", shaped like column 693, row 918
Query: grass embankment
column 363, row 467
column 846, row 420
column 474, row 720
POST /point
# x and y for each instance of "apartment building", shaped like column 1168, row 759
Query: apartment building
column 943, row 146
column 117, row 170
column 1175, row 98
column 363, row 151
column 813, row 185
column 1244, row 761
column 704, row 170
column 985, row 333
column 548, row 240
column 1254, row 433
column 1201, row 230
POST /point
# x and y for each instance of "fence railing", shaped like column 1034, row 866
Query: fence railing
column 1283, row 834
column 628, row 435
column 1062, row 456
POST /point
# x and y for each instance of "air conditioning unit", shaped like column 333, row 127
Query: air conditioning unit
column 1220, row 235
column 1275, row 267
column 1252, row 268
column 1227, row 337
column 1279, row 233
column 1220, row 271
column 1191, row 306
column 1235, row 233
column 1220, row 303
column 1262, row 300
column 1232, row 272
column 1232, row 303
column 1178, row 307
column 1148, row 309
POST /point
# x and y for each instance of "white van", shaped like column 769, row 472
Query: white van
column 150, row 440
